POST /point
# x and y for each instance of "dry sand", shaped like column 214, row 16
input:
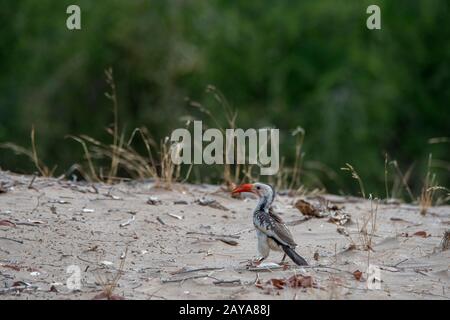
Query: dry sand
column 60, row 223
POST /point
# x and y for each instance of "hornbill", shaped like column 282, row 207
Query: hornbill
column 270, row 229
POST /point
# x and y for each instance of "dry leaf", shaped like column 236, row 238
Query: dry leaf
column 211, row 203
column 10, row 266
column 7, row 223
column 422, row 234
column 316, row 256
column 307, row 208
column 278, row 283
column 154, row 201
column 357, row 274
column 339, row 217
column 445, row 243
column 296, row 281
column 229, row 242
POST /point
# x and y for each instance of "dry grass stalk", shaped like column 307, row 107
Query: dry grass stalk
column 403, row 180
column 44, row 170
column 117, row 142
column 386, row 176
column 369, row 226
column 110, row 285
column 123, row 156
column 355, row 176
column 230, row 177
column 429, row 188
column 366, row 230
column 445, row 243
column 299, row 133
column 170, row 172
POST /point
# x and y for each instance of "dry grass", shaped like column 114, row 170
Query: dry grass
column 43, row 169
column 169, row 172
column 401, row 181
column 117, row 142
column 232, row 174
column 123, row 156
column 367, row 228
column 445, row 243
column 355, row 175
column 428, row 192
column 299, row 133
column 110, row 285
column 290, row 178
column 137, row 166
column 386, row 176
column 429, row 189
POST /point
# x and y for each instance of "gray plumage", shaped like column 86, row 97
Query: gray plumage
column 272, row 233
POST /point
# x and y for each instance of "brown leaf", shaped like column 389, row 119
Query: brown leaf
column 422, row 234
column 278, row 283
column 307, row 208
column 316, row 256
column 11, row 266
column 357, row 274
column 229, row 242
column 7, row 223
column 297, row 281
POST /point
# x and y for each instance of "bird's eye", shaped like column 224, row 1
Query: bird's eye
column 258, row 187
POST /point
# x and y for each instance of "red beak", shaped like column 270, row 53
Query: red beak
column 247, row 187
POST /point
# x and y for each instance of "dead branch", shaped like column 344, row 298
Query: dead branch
column 196, row 270
column 18, row 241
column 214, row 235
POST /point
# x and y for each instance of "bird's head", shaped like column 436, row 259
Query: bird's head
column 260, row 189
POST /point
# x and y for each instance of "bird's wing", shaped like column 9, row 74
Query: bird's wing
column 272, row 225
column 274, row 215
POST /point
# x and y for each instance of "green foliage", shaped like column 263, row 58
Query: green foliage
column 357, row 93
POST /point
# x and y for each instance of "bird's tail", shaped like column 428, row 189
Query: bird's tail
column 294, row 256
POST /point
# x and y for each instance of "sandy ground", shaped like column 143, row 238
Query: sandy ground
column 177, row 248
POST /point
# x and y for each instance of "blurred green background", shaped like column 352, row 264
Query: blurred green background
column 358, row 93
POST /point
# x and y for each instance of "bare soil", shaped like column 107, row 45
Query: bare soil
column 180, row 244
